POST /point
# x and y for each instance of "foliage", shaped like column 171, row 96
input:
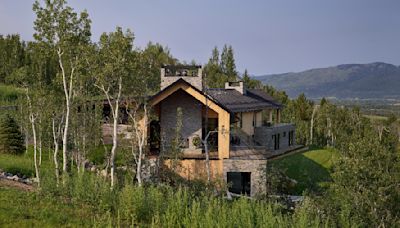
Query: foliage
column 220, row 69
column 366, row 181
column 12, row 55
column 9, row 93
column 87, row 200
column 25, row 209
column 11, row 138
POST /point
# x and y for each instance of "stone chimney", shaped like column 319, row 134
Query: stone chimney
column 189, row 73
column 236, row 86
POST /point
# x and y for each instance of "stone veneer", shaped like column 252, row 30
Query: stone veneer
column 255, row 167
column 196, row 81
column 191, row 117
column 263, row 135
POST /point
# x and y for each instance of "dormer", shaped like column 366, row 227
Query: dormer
column 190, row 73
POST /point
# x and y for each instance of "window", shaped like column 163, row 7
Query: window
column 284, row 134
column 276, row 140
column 239, row 182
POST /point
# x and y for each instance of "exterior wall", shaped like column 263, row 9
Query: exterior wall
column 124, row 131
column 255, row 167
column 196, row 169
column 259, row 119
column 196, row 81
column 263, row 135
column 191, row 117
column 223, row 115
column 247, row 123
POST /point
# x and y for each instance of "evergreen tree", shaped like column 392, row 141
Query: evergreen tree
column 11, row 138
column 214, row 57
column 249, row 82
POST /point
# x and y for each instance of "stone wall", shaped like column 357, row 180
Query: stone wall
column 255, row 167
column 196, row 81
column 124, row 131
column 191, row 117
column 263, row 135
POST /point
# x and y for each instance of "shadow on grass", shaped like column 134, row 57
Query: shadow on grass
column 309, row 174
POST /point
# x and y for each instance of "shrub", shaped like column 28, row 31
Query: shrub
column 11, row 138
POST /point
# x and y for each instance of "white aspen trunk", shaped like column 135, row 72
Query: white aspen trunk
column 40, row 149
column 205, row 142
column 84, row 152
column 26, row 140
column 115, row 113
column 207, row 160
column 329, row 135
column 32, row 120
column 115, row 142
column 67, row 93
column 141, row 139
column 55, row 154
column 35, row 148
column 312, row 124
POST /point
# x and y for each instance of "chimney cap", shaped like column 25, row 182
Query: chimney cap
column 180, row 67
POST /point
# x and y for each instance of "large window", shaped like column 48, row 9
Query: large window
column 239, row 182
column 276, row 140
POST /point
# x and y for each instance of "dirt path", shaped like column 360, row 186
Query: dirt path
column 16, row 184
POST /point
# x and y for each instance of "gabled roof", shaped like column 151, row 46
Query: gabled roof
column 229, row 99
column 153, row 99
column 252, row 100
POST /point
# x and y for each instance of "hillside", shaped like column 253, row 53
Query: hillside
column 365, row 81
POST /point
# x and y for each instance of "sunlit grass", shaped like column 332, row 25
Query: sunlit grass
column 310, row 169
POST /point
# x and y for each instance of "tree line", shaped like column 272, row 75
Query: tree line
column 66, row 79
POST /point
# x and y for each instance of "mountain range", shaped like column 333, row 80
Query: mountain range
column 348, row 81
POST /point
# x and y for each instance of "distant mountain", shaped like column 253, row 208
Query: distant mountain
column 364, row 81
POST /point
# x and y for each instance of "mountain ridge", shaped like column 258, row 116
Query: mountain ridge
column 376, row 80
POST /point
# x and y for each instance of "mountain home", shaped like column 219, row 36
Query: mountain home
column 242, row 127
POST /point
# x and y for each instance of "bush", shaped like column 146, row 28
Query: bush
column 11, row 138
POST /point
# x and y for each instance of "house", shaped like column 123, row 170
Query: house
column 242, row 127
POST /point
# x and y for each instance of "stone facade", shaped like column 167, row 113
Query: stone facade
column 263, row 135
column 196, row 81
column 255, row 167
column 191, row 118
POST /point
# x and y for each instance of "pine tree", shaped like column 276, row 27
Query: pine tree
column 11, row 138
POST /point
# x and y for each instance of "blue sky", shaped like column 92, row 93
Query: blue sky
column 267, row 36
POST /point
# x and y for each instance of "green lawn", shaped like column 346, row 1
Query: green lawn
column 310, row 169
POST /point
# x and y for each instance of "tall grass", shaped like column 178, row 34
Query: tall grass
column 154, row 205
column 165, row 206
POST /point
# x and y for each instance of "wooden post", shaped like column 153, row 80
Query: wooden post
column 270, row 116
column 278, row 116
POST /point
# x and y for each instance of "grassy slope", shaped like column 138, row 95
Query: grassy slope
column 25, row 209
column 310, row 169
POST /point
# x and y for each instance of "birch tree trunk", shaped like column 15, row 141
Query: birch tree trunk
column 55, row 154
column 115, row 113
column 312, row 124
column 32, row 119
column 140, row 135
column 67, row 93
